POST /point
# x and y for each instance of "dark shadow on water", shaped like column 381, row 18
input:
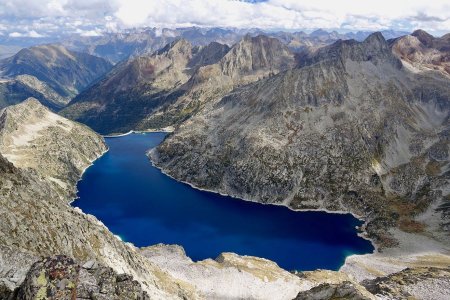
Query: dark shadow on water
column 143, row 206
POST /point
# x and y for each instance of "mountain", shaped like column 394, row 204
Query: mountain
column 13, row 91
column 116, row 47
column 170, row 85
column 251, row 59
column 135, row 87
column 51, row 69
column 347, row 128
column 421, row 51
column 350, row 129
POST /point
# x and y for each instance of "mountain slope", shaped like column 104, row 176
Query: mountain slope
column 134, row 88
column 251, row 59
column 351, row 130
column 64, row 72
column 174, row 83
column 13, row 91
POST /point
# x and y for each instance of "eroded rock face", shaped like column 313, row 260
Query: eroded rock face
column 351, row 130
column 412, row 283
column 60, row 277
column 344, row 290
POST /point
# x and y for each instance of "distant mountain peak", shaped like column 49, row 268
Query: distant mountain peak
column 376, row 37
column 175, row 46
column 254, row 53
column 424, row 37
column 374, row 48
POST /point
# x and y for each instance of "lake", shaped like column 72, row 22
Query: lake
column 141, row 205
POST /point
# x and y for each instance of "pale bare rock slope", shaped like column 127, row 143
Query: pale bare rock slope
column 422, row 52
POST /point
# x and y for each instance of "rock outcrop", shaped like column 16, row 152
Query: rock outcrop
column 416, row 283
column 60, row 277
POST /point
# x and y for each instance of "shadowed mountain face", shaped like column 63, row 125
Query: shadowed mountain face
column 51, row 73
column 136, row 87
column 422, row 52
column 172, row 84
column 349, row 130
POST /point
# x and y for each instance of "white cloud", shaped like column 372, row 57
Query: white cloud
column 31, row 34
column 287, row 14
column 94, row 32
column 111, row 15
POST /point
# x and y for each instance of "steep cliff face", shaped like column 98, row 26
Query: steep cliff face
column 350, row 130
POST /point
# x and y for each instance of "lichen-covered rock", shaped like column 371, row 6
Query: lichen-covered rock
column 342, row 291
column 60, row 277
column 51, row 278
column 412, row 283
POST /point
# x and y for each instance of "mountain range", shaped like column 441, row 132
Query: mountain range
column 168, row 86
column 309, row 121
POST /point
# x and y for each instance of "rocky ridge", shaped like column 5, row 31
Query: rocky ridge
column 42, row 158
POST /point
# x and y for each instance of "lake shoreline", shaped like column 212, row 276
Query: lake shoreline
column 361, row 233
column 351, row 246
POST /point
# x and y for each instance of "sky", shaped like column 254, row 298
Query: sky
column 41, row 18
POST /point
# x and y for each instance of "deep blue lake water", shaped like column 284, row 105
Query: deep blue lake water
column 143, row 206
